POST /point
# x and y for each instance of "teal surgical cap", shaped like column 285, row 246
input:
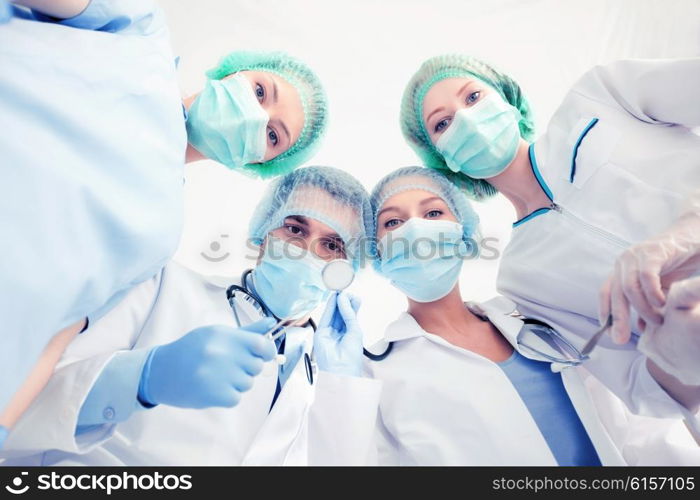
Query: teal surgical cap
column 313, row 99
column 436, row 69
column 327, row 194
column 425, row 179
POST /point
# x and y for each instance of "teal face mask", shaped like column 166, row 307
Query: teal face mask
column 227, row 124
column 289, row 279
column 423, row 258
column 482, row 140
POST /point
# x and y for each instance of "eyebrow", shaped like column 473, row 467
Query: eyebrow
column 469, row 82
column 430, row 200
column 334, row 236
column 386, row 209
column 431, row 114
column 274, row 89
column 298, row 218
column 286, row 131
column 465, row 86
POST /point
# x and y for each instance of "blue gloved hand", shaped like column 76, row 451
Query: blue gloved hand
column 338, row 339
column 210, row 366
column 3, row 435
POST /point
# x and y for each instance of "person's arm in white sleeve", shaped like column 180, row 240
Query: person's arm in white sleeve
column 629, row 375
column 51, row 420
column 115, row 394
column 640, row 280
column 39, row 376
column 661, row 91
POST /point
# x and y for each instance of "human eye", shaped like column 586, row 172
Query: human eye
column 295, row 230
column 272, row 136
column 392, row 223
column 473, row 97
column 335, row 246
column 260, row 92
column 433, row 214
column 442, row 125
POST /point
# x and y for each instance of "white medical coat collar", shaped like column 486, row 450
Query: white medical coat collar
column 498, row 310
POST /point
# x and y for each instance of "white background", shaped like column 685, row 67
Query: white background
column 365, row 52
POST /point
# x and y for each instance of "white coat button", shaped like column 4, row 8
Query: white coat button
column 109, row 413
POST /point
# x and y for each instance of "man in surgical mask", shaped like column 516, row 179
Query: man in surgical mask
column 96, row 136
column 182, row 341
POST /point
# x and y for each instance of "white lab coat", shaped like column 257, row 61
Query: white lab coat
column 445, row 405
column 634, row 171
column 330, row 422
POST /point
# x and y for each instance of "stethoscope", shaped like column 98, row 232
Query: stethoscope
column 337, row 275
column 238, row 292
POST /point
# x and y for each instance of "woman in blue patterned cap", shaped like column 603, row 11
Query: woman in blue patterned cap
column 475, row 383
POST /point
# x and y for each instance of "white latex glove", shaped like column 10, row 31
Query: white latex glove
column 639, row 274
column 675, row 345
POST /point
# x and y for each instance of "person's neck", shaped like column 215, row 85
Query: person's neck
column 450, row 319
column 191, row 154
column 445, row 316
column 519, row 184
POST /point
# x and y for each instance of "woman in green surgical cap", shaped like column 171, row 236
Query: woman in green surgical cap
column 602, row 229
column 260, row 113
column 102, row 176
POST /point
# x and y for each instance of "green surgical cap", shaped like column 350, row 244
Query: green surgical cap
column 313, row 99
column 329, row 195
column 436, row 69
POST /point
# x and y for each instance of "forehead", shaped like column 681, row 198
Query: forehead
column 339, row 217
column 409, row 198
column 447, row 87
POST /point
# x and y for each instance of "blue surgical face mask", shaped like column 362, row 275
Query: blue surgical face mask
column 289, row 279
column 227, row 124
column 482, row 140
column 423, row 258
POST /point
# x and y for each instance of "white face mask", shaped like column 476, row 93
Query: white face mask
column 226, row 123
column 289, row 279
column 482, row 140
column 423, row 258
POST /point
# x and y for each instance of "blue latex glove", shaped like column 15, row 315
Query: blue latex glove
column 5, row 11
column 3, row 435
column 210, row 366
column 338, row 339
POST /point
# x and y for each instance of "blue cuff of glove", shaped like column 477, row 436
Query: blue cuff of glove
column 113, row 397
column 143, row 397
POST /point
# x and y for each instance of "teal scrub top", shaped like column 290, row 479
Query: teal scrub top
column 92, row 149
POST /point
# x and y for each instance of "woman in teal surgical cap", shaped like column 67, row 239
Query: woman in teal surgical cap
column 93, row 151
column 606, row 211
column 467, row 383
